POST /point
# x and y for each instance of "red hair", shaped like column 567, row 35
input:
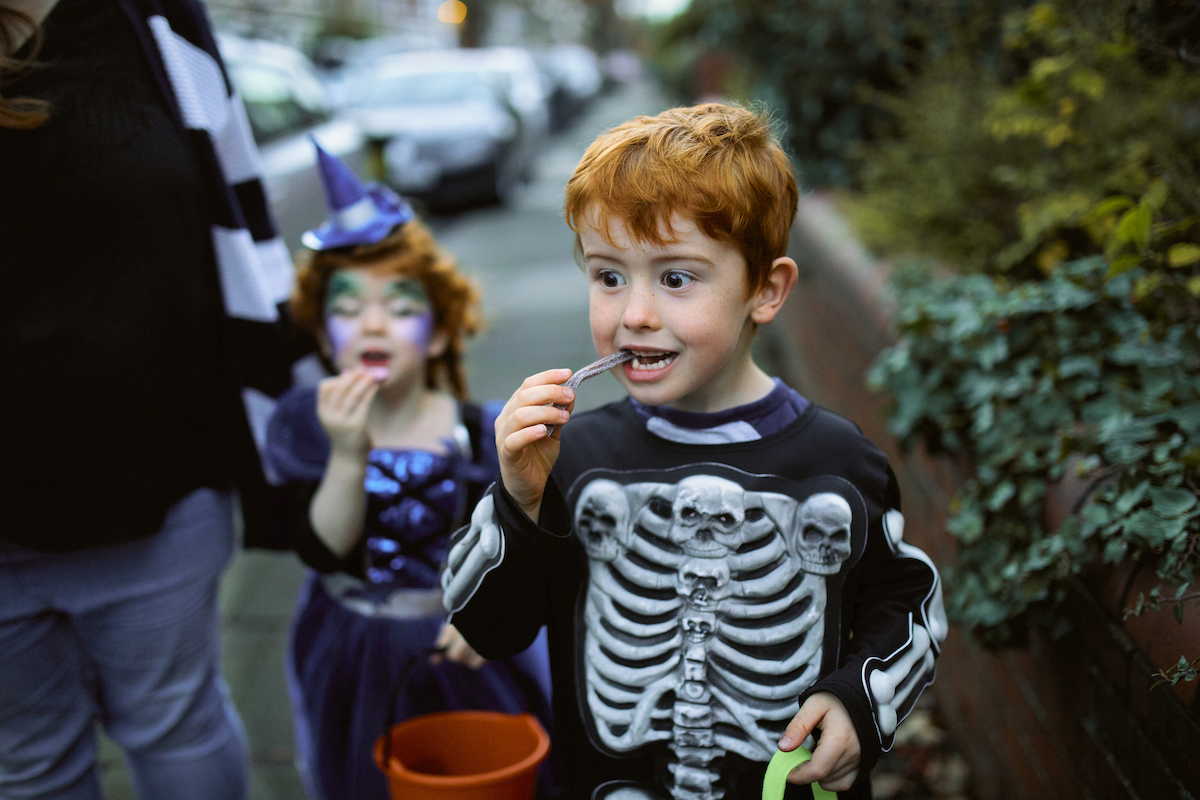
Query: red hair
column 716, row 164
column 410, row 251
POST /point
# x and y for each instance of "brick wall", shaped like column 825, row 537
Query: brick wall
column 1074, row 718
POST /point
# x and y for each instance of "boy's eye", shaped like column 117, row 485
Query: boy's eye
column 676, row 280
column 609, row 279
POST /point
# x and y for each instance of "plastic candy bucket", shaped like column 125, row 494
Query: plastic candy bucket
column 463, row 755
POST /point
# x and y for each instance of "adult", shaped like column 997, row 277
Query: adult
column 140, row 340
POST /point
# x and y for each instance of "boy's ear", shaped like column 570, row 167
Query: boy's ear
column 781, row 279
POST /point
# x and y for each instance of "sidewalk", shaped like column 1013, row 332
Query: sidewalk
column 257, row 596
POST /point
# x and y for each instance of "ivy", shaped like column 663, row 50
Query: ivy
column 1031, row 381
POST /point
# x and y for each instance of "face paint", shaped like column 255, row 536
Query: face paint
column 378, row 322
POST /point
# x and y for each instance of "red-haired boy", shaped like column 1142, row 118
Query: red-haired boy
column 715, row 551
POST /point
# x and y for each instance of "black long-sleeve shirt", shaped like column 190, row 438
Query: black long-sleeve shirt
column 696, row 595
column 116, row 399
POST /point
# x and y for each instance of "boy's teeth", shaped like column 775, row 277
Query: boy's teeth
column 660, row 361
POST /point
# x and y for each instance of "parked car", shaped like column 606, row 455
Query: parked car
column 449, row 132
column 575, row 78
column 286, row 104
column 517, row 75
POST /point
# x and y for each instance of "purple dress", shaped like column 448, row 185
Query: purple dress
column 361, row 620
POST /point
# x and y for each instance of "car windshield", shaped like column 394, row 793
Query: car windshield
column 425, row 89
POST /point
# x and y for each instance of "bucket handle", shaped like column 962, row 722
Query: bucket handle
column 777, row 771
column 398, row 686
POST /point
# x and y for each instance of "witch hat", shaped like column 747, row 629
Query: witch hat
column 358, row 214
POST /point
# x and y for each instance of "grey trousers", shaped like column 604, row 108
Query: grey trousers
column 126, row 636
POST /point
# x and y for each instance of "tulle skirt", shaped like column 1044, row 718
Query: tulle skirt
column 342, row 666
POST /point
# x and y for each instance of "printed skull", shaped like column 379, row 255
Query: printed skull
column 704, row 582
column 707, row 516
column 601, row 519
column 823, row 523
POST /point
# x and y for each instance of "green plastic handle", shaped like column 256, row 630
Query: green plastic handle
column 777, row 771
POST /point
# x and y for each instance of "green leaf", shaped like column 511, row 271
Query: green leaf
column 1170, row 503
column 1183, row 255
column 1107, row 206
column 1122, row 264
column 1134, row 226
column 1156, row 195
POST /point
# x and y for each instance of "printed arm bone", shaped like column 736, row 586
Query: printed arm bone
column 635, row 650
column 747, row 606
column 471, row 557
column 891, row 687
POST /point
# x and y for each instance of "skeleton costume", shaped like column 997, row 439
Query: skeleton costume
column 697, row 593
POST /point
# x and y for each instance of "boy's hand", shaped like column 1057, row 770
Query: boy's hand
column 342, row 404
column 455, row 648
column 527, row 454
column 834, row 763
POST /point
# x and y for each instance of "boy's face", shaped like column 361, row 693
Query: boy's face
column 381, row 322
column 682, row 306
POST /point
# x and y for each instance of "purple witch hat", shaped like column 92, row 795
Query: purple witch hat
column 358, row 214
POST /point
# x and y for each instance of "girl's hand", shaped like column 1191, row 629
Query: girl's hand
column 527, row 454
column 455, row 648
column 835, row 760
column 342, row 404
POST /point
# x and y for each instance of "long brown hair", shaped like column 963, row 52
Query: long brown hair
column 21, row 113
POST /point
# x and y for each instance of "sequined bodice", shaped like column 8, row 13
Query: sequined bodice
column 413, row 499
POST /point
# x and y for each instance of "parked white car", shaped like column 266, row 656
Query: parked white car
column 451, row 132
column 286, row 104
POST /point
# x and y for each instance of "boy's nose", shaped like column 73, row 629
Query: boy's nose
column 641, row 312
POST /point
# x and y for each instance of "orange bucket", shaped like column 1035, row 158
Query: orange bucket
column 463, row 755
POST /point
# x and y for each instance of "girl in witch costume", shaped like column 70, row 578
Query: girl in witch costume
column 384, row 460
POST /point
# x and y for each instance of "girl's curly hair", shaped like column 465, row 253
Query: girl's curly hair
column 410, row 251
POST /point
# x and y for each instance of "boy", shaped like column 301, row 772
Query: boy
column 715, row 550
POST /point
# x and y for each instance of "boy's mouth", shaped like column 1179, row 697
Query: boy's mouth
column 647, row 362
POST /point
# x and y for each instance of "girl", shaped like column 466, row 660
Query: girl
column 384, row 461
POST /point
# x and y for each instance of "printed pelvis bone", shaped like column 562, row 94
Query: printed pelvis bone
column 707, row 516
column 823, row 533
column 660, row 621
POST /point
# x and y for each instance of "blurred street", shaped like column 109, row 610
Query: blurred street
column 536, row 309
